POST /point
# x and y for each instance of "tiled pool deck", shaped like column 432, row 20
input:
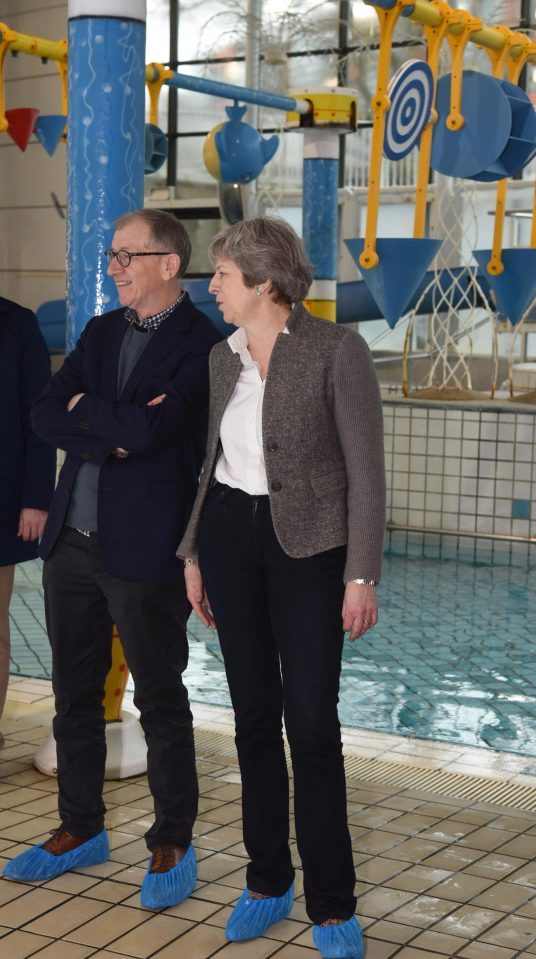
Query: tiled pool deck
column 439, row 877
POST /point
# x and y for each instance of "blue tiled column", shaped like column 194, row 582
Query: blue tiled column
column 105, row 144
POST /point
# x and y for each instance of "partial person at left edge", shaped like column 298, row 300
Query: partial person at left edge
column 129, row 407
column 27, row 464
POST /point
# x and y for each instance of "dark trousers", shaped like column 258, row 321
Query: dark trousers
column 82, row 601
column 280, row 629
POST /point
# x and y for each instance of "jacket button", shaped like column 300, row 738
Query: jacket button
column 87, row 456
column 276, row 486
column 272, row 447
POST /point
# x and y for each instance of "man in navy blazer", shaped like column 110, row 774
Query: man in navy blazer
column 129, row 407
column 28, row 465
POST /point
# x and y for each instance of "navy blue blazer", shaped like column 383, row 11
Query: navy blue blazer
column 27, row 465
column 144, row 501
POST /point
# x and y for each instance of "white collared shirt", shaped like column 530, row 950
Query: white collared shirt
column 241, row 464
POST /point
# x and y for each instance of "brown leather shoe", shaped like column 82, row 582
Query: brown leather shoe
column 61, row 841
column 165, row 857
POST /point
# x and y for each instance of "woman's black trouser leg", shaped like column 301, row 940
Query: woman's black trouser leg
column 235, row 583
column 277, row 614
column 306, row 598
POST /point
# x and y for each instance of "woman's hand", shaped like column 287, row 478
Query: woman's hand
column 195, row 592
column 31, row 524
column 359, row 609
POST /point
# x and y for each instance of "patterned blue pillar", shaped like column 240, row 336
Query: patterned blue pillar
column 320, row 217
column 105, row 144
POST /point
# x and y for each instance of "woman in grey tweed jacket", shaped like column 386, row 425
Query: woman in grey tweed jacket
column 282, row 553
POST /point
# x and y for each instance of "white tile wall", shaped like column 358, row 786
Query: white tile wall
column 461, row 468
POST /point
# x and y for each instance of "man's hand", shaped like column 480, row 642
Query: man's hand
column 119, row 451
column 73, row 401
column 359, row 609
column 31, row 524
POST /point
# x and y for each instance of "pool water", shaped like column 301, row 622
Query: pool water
column 453, row 657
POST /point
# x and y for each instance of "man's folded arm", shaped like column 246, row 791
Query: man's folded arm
column 143, row 428
column 52, row 422
column 99, row 425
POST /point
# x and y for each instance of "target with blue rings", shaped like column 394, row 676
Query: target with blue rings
column 410, row 92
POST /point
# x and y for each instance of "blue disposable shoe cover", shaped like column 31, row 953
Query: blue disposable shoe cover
column 37, row 863
column 162, row 889
column 251, row 918
column 344, row 941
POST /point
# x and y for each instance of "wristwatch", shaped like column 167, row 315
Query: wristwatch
column 365, row 582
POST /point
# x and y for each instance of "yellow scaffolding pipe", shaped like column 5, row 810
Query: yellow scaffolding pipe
column 427, row 14
column 56, row 50
column 35, row 46
column 422, row 12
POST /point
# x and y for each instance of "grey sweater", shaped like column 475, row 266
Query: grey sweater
column 322, row 432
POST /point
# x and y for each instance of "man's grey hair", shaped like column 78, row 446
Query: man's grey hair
column 167, row 233
column 266, row 248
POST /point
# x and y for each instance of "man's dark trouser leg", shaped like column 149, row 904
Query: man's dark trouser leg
column 80, row 633
column 151, row 620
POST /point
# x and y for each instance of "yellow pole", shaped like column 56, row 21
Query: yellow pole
column 380, row 104
column 458, row 41
column 434, row 38
column 5, row 39
column 155, row 75
column 116, row 682
column 514, row 65
column 63, row 68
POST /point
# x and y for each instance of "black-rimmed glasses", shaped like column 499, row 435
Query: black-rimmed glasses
column 124, row 256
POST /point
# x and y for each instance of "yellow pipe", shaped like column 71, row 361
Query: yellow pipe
column 380, row 104
column 496, row 265
column 533, row 231
column 116, row 682
column 48, row 49
column 36, row 46
column 428, row 14
column 458, row 42
column 152, row 72
column 434, row 38
column 514, row 66
column 4, row 46
column 155, row 75
column 325, row 309
column 63, row 71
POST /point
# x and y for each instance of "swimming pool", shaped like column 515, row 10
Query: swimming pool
column 453, row 657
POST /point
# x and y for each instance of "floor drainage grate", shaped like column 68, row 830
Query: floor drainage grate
column 457, row 785
column 211, row 744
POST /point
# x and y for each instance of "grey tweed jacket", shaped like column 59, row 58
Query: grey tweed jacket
column 322, row 432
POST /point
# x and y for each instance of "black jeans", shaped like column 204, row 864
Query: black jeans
column 82, row 601
column 280, row 629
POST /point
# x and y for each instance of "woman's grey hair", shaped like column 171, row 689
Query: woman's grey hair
column 167, row 233
column 266, row 248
